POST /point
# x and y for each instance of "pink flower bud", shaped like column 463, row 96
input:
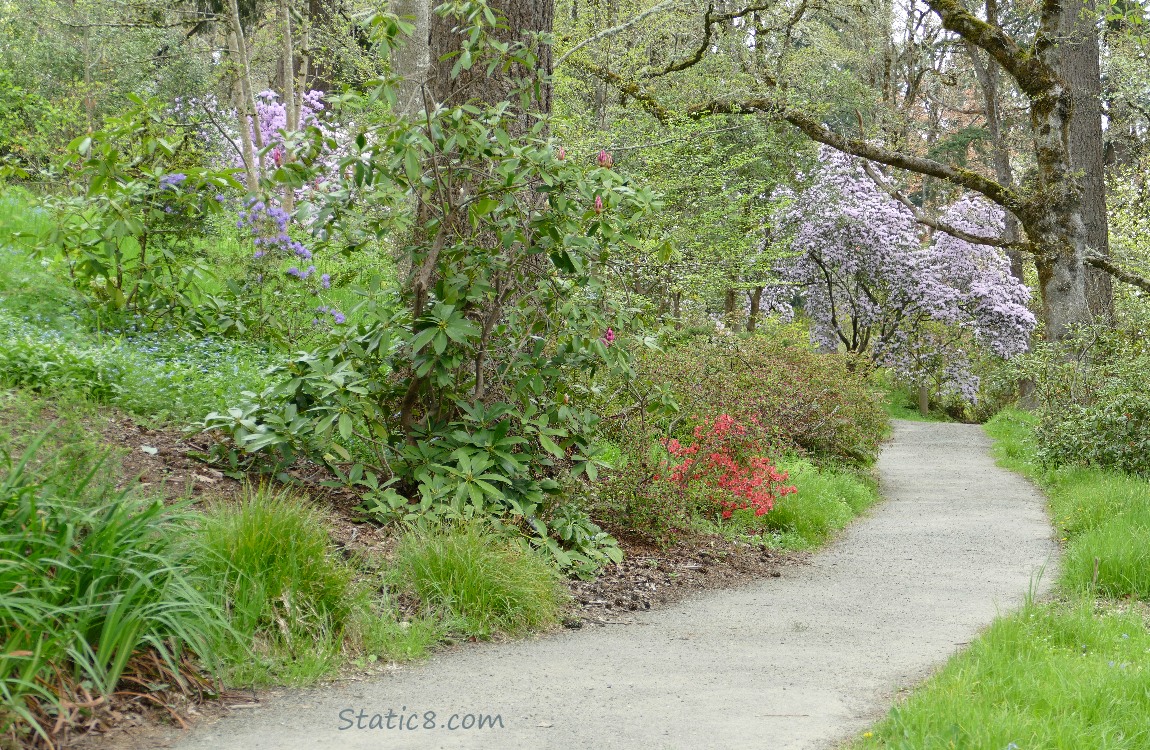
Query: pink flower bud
column 598, row 204
column 562, row 153
column 605, row 159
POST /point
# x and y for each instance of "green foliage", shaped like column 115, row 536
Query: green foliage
column 1113, row 558
column 1091, row 401
column 129, row 206
column 578, row 545
column 41, row 361
column 1049, row 676
column 1103, row 516
column 31, row 126
column 269, row 557
column 51, row 342
column 478, row 582
column 825, row 501
column 87, row 582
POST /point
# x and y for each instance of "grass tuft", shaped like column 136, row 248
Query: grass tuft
column 479, row 583
column 89, row 580
column 297, row 609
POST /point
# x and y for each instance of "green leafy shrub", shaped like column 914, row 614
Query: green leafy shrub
column 470, row 390
column 1112, row 431
column 479, row 582
column 820, row 404
column 1090, row 392
column 88, row 581
column 578, row 544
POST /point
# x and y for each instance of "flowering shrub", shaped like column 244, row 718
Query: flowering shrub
column 720, row 465
column 871, row 285
column 818, row 404
column 465, row 392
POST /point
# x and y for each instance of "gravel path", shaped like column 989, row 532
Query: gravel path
column 801, row 661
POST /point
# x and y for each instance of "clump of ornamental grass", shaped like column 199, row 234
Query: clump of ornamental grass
column 477, row 582
column 94, row 590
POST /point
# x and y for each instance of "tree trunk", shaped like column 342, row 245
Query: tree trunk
column 924, row 400
column 520, row 17
column 729, row 306
column 413, row 60
column 1078, row 64
column 756, row 296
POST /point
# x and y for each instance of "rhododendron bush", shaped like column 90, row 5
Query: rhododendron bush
column 871, row 284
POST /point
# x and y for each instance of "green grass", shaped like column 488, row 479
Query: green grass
column 88, row 579
column 1071, row 673
column 298, row 608
column 826, row 500
column 477, row 582
column 1050, row 676
column 1099, row 515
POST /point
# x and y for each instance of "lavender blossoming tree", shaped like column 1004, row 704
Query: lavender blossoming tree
column 872, row 284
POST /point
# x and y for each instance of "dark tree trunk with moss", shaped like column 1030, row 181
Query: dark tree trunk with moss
column 1079, row 64
column 756, row 299
column 521, row 18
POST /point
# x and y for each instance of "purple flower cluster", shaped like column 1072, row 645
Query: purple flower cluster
column 271, row 117
column 872, row 284
column 301, row 275
column 337, row 317
column 268, row 225
column 172, row 181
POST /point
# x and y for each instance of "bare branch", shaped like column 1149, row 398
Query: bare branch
column 709, row 22
column 1103, row 263
column 665, row 5
column 928, row 219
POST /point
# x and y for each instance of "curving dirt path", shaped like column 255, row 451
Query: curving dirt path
column 801, row 661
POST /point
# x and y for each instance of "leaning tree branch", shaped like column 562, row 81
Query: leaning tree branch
column 1034, row 77
column 1103, row 263
column 932, row 221
column 817, row 131
column 630, row 88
